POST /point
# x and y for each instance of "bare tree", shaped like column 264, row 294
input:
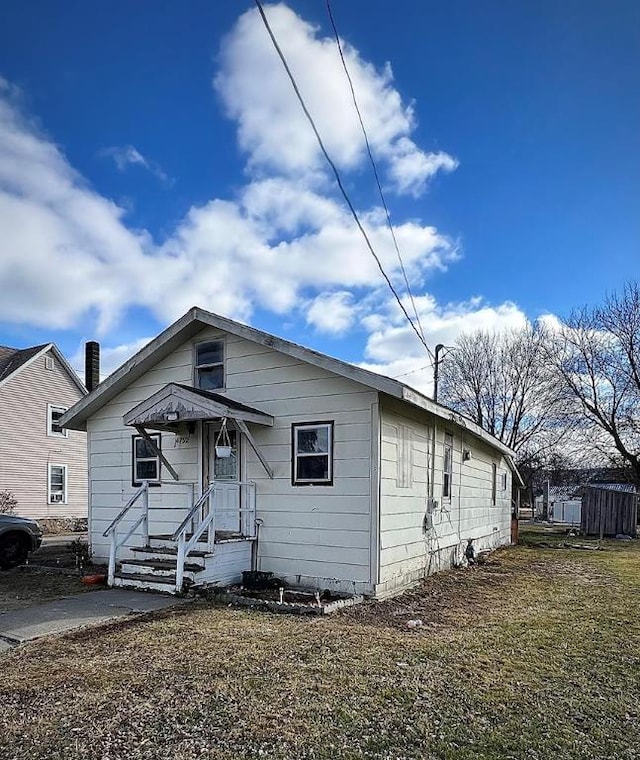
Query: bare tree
column 504, row 383
column 596, row 357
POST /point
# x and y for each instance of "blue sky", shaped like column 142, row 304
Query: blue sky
column 153, row 157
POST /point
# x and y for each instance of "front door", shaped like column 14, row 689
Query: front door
column 225, row 470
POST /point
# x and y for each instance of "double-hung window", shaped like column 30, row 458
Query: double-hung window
column 145, row 461
column 209, row 365
column 53, row 420
column 312, row 454
column 57, row 483
column 447, row 467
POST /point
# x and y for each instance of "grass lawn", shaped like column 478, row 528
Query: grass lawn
column 535, row 654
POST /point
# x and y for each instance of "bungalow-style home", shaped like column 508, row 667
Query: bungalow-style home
column 219, row 449
column 43, row 465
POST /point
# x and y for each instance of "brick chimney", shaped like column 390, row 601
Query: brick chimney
column 91, row 365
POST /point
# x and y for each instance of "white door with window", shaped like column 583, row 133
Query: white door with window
column 225, row 470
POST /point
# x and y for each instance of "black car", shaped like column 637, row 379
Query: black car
column 18, row 537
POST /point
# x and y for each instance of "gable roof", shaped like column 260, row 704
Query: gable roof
column 13, row 360
column 197, row 319
column 191, row 404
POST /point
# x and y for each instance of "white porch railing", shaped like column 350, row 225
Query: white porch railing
column 220, row 498
column 112, row 531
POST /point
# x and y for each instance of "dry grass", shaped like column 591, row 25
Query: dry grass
column 534, row 655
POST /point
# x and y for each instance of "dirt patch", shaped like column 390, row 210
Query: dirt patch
column 441, row 599
column 53, row 572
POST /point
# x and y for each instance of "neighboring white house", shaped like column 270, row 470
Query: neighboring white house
column 326, row 474
column 43, row 465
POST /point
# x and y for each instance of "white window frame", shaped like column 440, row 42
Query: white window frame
column 494, row 484
column 447, row 485
column 51, row 408
column 212, row 365
column 50, row 499
column 157, row 439
column 296, row 455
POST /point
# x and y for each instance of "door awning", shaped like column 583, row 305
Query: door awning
column 175, row 404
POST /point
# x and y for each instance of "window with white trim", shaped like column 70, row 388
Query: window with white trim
column 57, row 483
column 53, row 421
column 447, row 466
column 145, row 463
column 312, row 454
column 504, row 481
column 494, row 483
column 209, row 365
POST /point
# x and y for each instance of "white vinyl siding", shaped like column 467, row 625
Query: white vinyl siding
column 313, row 532
column 419, row 536
column 25, row 448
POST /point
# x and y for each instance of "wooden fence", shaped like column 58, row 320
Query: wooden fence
column 608, row 513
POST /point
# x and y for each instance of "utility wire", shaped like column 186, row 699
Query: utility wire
column 336, row 173
column 373, row 164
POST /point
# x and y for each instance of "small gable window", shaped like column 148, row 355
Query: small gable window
column 209, row 365
column 53, row 420
column 312, row 454
column 146, row 462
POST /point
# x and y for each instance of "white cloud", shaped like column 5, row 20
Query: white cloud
column 127, row 155
column 393, row 349
column 332, row 313
column 272, row 128
column 284, row 243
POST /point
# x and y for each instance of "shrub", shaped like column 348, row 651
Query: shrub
column 8, row 503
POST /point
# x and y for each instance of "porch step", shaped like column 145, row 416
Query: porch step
column 222, row 536
column 155, row 565
column 170, row 550
column 163, row 583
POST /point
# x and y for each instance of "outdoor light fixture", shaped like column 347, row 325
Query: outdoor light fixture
column 171, row 416
column 466, row 455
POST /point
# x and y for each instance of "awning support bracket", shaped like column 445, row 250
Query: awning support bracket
column 245, row 430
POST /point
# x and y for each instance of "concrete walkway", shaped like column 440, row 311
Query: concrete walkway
column 20, row 626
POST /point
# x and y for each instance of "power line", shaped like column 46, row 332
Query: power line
column 336, row 173
column 375, row 168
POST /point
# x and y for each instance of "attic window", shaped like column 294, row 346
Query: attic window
column 48, row 363
column 209, row 365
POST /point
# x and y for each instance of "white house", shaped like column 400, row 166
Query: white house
column 219, row 448
column 43, row 465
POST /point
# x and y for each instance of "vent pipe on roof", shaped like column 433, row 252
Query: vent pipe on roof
column 91, row 365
